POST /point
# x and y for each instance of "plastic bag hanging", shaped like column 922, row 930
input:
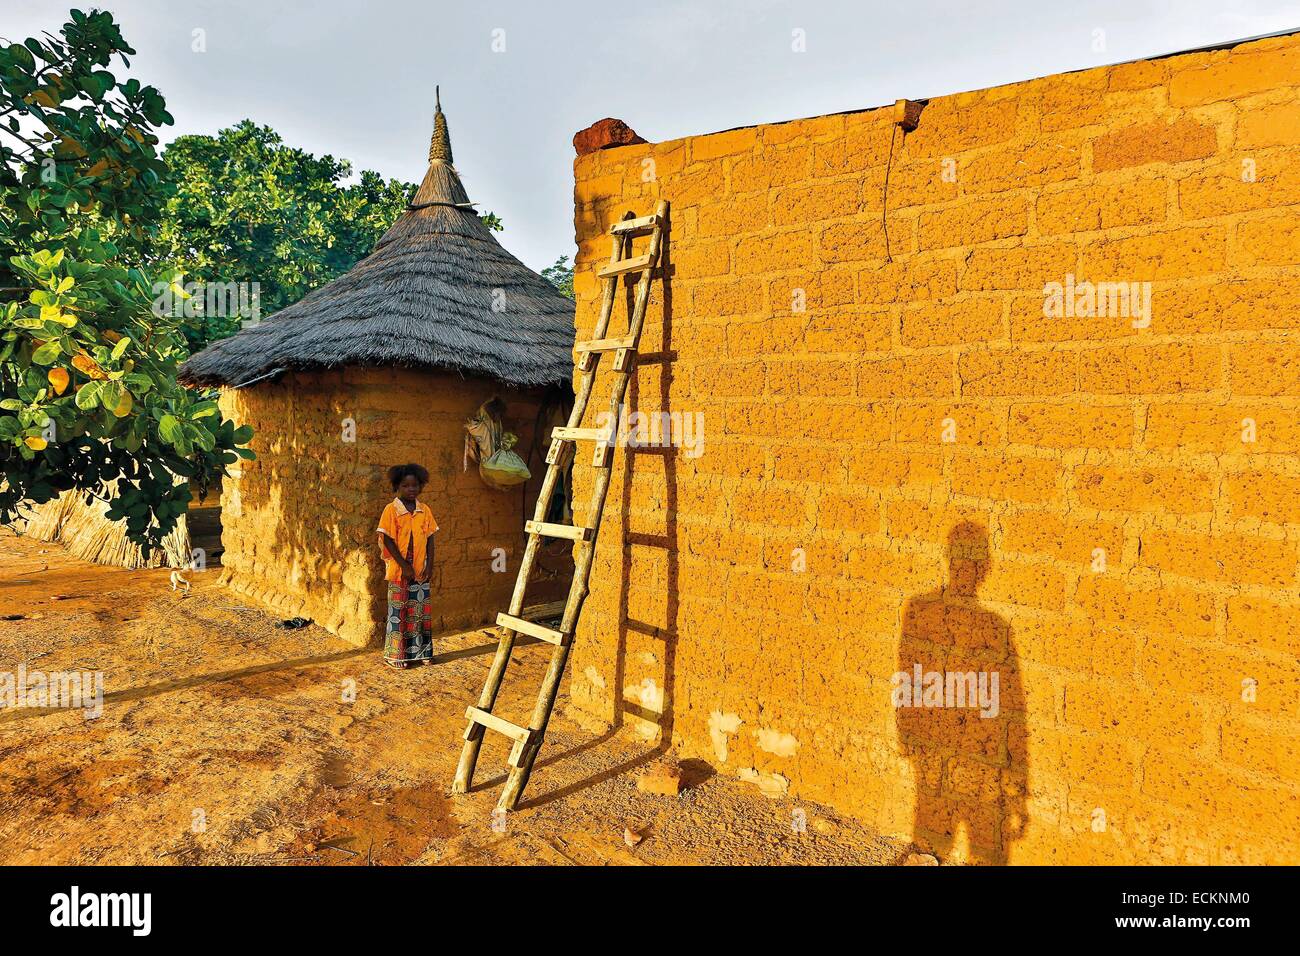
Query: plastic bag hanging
column 487, row 443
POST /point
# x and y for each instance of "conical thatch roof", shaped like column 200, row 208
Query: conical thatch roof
column 437, row 291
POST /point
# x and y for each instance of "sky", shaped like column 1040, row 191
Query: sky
column 356, row 79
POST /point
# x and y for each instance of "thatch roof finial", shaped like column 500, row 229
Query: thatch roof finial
column 440, row 145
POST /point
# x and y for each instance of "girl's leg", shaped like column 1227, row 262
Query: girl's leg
column 396, row 637
column 422, row 612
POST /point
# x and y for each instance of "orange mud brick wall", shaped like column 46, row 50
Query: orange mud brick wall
column 298, row 523
column 907, row 462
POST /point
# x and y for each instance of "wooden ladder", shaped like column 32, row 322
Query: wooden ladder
column 528, row 740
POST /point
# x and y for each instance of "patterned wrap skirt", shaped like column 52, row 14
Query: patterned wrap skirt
column 409, row 636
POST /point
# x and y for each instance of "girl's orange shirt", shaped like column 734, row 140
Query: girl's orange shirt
column 410, row 529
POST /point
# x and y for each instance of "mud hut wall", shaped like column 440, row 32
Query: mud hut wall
column 874, row 368
column 299, row 521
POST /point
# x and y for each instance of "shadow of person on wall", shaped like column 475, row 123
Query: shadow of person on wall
column 960, row 711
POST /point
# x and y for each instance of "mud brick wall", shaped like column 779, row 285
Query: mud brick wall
column 298, row 523
column 906, row 461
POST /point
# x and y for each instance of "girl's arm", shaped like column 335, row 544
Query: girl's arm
column 395, row 553
column 428, row 561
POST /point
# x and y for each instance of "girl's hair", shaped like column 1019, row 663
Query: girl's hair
column 398, row 472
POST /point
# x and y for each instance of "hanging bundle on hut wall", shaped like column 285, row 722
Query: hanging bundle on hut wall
column 487, row 443
column 87, row 534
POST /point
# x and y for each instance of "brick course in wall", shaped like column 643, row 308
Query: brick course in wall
column 298, row 523
column 906, row 461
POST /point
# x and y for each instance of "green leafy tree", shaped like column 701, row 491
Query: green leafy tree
column 250, row 209
column 88, row 391
column 560, row 275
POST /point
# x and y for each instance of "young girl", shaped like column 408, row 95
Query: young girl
column 406, row 541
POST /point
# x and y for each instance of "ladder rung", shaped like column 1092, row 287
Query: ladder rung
column 606, row 345
column 635, row 227
column 565, row 433
column 570, row 531
column 624, row 266
column 539, row 631
column 493, row 722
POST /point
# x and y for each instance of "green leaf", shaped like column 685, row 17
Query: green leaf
column 170, row 430
column 204, row 439
column 22, row 57
column 110, row 394
column 48, row 353
column 88, row 396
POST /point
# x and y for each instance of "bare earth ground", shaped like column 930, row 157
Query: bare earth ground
column 217, row 721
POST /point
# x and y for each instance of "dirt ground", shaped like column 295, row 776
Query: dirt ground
column 225, row 739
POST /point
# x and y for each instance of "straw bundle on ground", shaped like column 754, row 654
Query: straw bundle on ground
column 437, row 291
column 84, row 531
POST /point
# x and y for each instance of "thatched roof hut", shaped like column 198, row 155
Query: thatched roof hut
column 379, row 367
column 437, row 291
